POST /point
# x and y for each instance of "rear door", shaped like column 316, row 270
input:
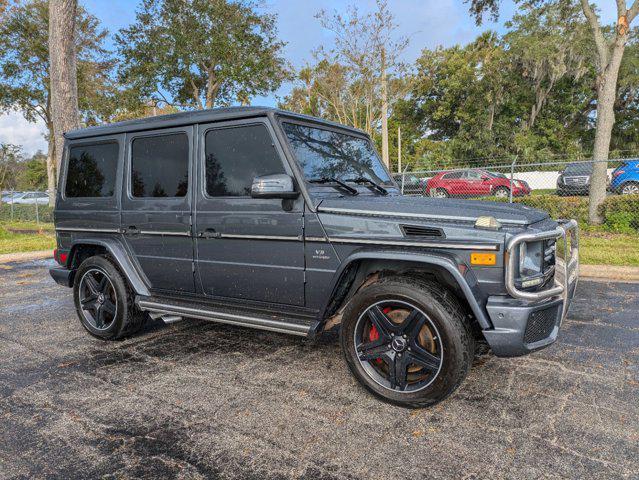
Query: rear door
column 247, row 248
column 156, row 206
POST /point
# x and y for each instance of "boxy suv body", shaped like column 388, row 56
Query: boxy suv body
column 268, row 219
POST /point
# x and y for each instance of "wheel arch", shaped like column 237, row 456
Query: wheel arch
column 83, row 248
column 361, row 267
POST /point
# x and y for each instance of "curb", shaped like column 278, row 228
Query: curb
column 25, row 256
column 602, row 272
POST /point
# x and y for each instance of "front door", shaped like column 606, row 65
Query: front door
column 247, row 248
column 156, row 207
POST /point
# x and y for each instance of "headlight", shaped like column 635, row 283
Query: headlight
column 531, row 257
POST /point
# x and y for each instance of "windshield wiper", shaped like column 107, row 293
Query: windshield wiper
column 348, row 188
column 371, row 183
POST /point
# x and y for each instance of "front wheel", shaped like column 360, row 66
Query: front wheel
column 502, row 192
column 406, row 340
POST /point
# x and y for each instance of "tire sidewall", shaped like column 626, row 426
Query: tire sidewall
column 454, row 364
column 106, row 267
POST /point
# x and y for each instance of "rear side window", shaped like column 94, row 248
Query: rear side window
column 92, row 170
column 453, row 175
column 160, row 166
column 235, row 156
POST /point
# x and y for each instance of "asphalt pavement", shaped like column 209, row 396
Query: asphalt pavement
column 203, row 400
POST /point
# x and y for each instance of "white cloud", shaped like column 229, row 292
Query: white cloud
column 15, row 129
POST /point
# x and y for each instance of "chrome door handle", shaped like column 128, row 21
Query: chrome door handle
column 209, row 233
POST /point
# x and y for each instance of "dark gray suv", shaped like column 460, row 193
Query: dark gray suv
column 283, row 222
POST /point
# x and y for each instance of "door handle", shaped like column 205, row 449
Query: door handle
column 132, row 230
column 209, row 233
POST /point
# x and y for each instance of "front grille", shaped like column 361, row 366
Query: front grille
column 576, row 180
column 540, row 324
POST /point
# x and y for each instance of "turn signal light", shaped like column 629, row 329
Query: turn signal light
column 477, row 258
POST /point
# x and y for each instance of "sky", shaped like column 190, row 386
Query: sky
column 427, row 24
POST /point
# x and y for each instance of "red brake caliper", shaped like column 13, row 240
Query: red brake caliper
column 373, row 334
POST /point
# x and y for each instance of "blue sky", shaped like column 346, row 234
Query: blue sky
column 427, row 23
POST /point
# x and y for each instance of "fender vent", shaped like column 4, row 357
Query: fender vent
column 419, row 231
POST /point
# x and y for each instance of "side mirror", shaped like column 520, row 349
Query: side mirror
column 273, row 186
column 485, row 178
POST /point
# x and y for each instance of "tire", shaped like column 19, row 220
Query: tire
column 104, row 301
column 439, row 193
column 629, row 188
column 502, row 192
column 442, row 330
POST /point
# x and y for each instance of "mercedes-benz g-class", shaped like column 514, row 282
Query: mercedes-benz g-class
column 268, row 219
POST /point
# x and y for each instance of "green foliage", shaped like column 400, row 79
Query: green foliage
column 34, row 174
column 204, row 53
column 621, row 213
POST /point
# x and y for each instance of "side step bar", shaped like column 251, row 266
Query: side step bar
column 261, row 323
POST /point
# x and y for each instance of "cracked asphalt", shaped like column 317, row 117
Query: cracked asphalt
column 202, row 400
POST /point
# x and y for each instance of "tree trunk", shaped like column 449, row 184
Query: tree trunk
column 62, row 72
column 384, row 92
column 606, row 95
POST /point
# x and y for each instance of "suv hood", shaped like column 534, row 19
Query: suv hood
column 427, row 208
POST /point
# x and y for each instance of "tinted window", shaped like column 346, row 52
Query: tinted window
column 453, row 175
column 235, row 156
column 579, row 169
column 328, row 153
column 473, row 175
column 160, row 166
column 91, row 171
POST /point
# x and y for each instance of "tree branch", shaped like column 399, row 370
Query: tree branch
column 600, row 40
column 632, row 12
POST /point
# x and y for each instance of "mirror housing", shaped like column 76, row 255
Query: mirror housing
column 485, row 178
column 274, row 186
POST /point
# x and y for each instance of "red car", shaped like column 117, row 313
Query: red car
column 474, row 183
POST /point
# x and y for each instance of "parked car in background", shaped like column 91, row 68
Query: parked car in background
column 625, row 178
column 474, row 183
column 411, row 184
column 575, row 179
column 30, row 198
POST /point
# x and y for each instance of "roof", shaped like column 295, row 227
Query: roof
column 191, row 117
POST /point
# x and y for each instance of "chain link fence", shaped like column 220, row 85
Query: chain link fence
column 560, row 187
column 32, row 206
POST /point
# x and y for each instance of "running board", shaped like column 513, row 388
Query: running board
column 156, row 306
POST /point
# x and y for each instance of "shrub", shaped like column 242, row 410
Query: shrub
column 621, row 213
column 26, row 213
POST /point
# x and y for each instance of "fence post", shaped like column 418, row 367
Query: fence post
column 12, row 193
column 404, row 178
column 512, row 174
column 37, row 213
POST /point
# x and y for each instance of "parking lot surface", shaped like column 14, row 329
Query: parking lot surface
column 202, row 400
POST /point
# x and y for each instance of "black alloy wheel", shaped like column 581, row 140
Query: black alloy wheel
column 98, row 300
column 398, row 346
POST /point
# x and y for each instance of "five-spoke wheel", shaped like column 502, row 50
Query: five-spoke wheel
column 398, row 345
column 98, row 299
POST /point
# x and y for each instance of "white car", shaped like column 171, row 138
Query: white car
column 29, row 198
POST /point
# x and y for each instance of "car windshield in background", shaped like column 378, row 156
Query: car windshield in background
column 325, row 154
column 578, row 169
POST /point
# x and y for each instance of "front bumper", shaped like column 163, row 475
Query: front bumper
column 527, row 321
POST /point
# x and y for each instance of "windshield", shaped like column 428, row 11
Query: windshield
column 330, row 154
column 578, row 169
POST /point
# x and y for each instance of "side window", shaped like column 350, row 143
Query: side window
column 160, row 166
column 453, row 175
column 92, row 170
column 473, row 175
column 235, row 156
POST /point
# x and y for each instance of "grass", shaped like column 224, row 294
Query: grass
column 42, row 238
column 600, row 248
column 596, row 246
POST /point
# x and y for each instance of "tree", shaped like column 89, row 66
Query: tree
column 10, row 157
column 63, row 74
column 24, row 69
column 202, row 53
column 607, row 59
column 365, row 44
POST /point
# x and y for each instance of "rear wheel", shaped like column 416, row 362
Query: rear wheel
column 406, row 341
column 439, row 193
column 502, row 192
column 630, row 188
column 104, row 301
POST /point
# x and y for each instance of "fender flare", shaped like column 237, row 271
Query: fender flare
column 438, row 260
column 121, row 257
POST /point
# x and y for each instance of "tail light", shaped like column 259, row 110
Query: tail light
column 60, row 257
column 617, row 173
